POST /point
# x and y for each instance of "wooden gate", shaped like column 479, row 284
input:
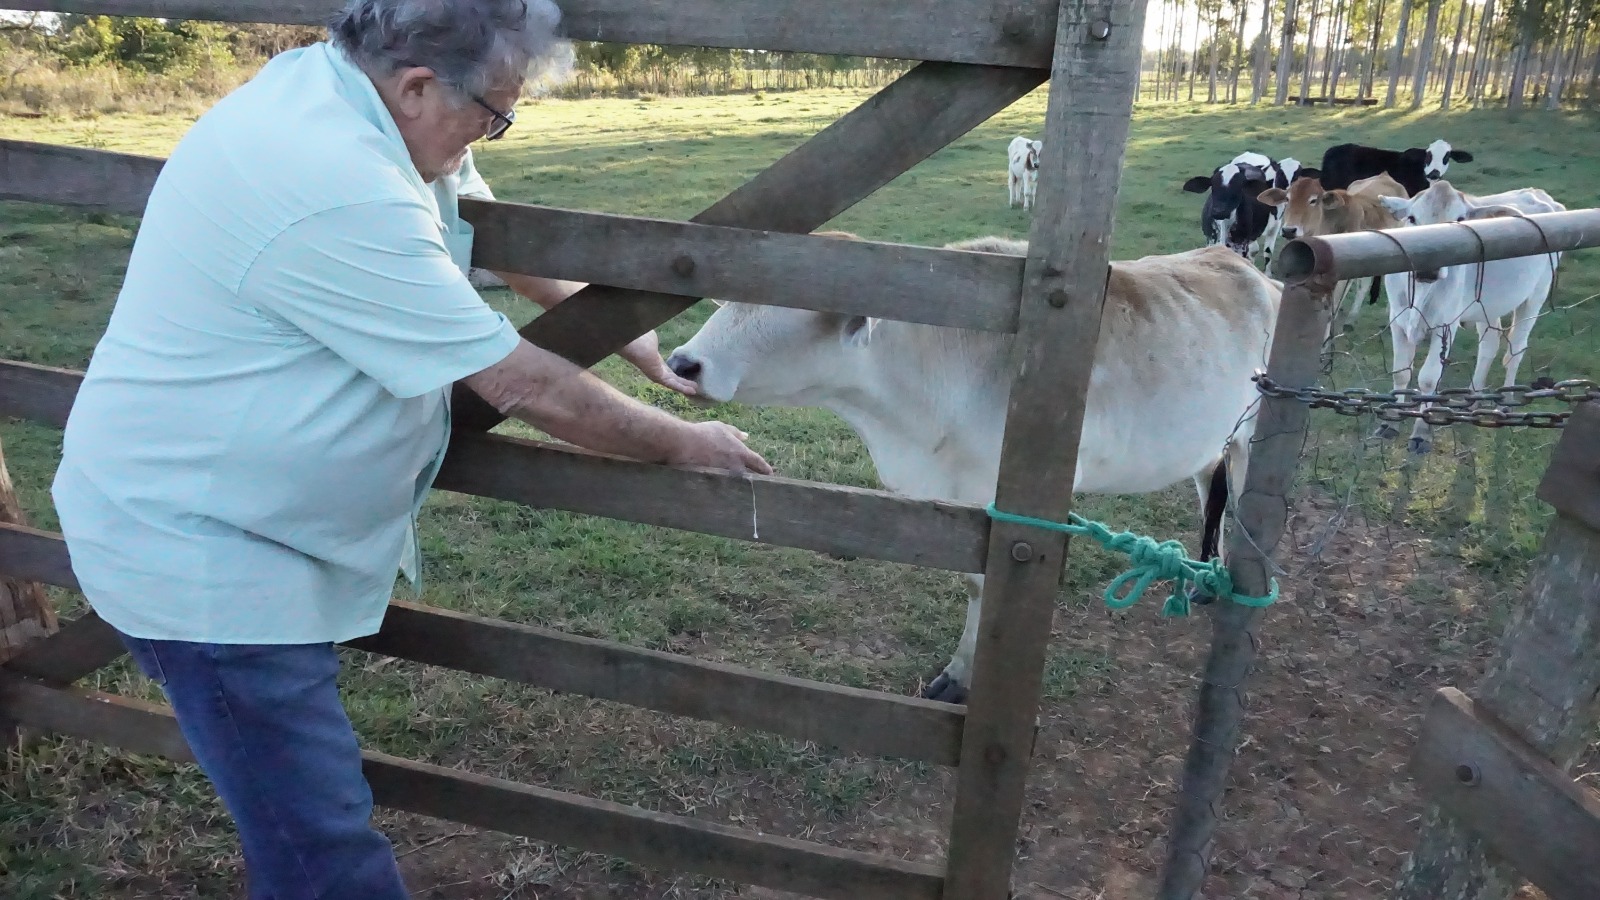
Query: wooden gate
column 978, row 57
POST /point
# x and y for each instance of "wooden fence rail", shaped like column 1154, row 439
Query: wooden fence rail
column 1494, row 766
column 1011, row 33
column 844, row 521
column 952, row 288
column 852, row 719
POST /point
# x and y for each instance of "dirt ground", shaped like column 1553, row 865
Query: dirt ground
column 1320, row 805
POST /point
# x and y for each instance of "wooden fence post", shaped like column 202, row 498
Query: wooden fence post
column 1260, row 516
column 1543, row 686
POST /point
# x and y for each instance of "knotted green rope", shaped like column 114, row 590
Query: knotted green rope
column 1152, row 561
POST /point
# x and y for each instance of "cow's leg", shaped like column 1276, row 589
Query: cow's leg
column 1012, row 192
column 1522, row 321
column 1488, row 346
column 1404, row 350
column 952, row 684
column 1428, row 377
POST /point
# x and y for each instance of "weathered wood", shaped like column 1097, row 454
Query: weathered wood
column 958, row 289
column 1085, row 139
column 1358, row 254
column 1544, row 683
column 852, row 719
column 844, row 521
column 26, row 614
column 76, row 176
column 868, row 147
column 674, row 843
column 862, row 721
column 1260, row 515
column 1012, row 33
column 41, row 394
column 1526, row 810
column 1571, row 482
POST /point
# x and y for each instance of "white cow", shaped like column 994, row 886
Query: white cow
column 1022, row 171
column 1170, row 396
column 1434, row 305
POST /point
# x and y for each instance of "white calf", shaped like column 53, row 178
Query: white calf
column 1022, row 170
column 1170, row 396
column 1434, row 305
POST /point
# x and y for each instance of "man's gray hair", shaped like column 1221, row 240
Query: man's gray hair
column 471, row 45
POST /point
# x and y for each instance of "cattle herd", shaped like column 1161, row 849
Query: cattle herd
column 1181, row 331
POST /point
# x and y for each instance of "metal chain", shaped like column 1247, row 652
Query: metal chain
column 1452, row 406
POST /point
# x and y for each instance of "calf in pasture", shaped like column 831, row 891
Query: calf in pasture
column 1181, row 332
column 1230, row 215
column 1415, row 168
column 1312, row 211
column 1434, row 305
column 1022, row 173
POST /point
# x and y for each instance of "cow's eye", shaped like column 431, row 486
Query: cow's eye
column 1461, row 218
column 1411, row 219
column 1313, row 201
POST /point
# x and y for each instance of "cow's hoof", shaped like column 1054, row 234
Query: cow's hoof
column 945, row 690
column 1419, row 446
column 1386, row 432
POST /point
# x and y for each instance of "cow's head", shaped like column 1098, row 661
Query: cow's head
column 1034, row 149
column 1439, row 204
column 1305, row 202
column 1437, row 158
column 772, row 355
column 1230, row 185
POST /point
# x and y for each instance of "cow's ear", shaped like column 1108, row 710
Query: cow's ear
column 1397, row 206
column 1273, row 196
column 1458, row 156
column 1494, row 211
column 858, row 330
column 1333, row 200
column 1198, row 184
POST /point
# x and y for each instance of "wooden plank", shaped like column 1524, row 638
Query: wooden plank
column 957, row 289
column 903, row 124
column 41, row 394
column 657, row 840
column 1014, row 33
column 1261, row 514
column 862, row 721
column 26, row 614
column 1093, row 82
column 76, row 176
column 1571, row 483
column 852, row 719
column 1358, row 254
column 1543, row 684
column 844, row 521
column 1526, row 810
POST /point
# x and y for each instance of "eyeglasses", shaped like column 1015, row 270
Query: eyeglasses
column 501, row 121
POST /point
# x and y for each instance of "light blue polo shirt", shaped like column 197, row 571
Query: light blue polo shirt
column 269, row 403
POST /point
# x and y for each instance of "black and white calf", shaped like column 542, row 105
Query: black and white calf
column 1231, row 214
column 1415, row 168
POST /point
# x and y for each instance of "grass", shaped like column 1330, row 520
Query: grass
column 78, row 821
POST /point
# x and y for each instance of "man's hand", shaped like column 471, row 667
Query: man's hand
column 718, row 445
column 645, row 354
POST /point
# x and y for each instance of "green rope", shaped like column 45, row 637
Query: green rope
column 1152, row 562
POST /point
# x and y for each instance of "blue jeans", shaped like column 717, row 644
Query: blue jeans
column 267, row 726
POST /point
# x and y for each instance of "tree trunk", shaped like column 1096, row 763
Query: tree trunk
column 1286, row 53
column 1463, row 25
column 1263, row 55
column 1330, row 56
column 1216, row 23
column 1238, row 51
column 1481, row 54
column 1565, row 61
column 1372, row 52
column 1396, row 58
column 1343, row 58
column 1593, row 91
column 1527, row 28
column 1430, row 31
column 1311, row 53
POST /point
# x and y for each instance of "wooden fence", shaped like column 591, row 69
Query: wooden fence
column 977, row 57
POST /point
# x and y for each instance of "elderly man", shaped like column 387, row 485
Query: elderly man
column 270, row 403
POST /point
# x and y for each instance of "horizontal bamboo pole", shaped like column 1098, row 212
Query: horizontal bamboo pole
column 1360, row 254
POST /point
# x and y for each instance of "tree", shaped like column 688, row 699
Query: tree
column 1462, row 26
column 1430, row 33
column 1399, row 53
column 1286, row 53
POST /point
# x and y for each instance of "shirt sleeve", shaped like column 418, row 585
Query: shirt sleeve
column 471, row 183
column 374, row 283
